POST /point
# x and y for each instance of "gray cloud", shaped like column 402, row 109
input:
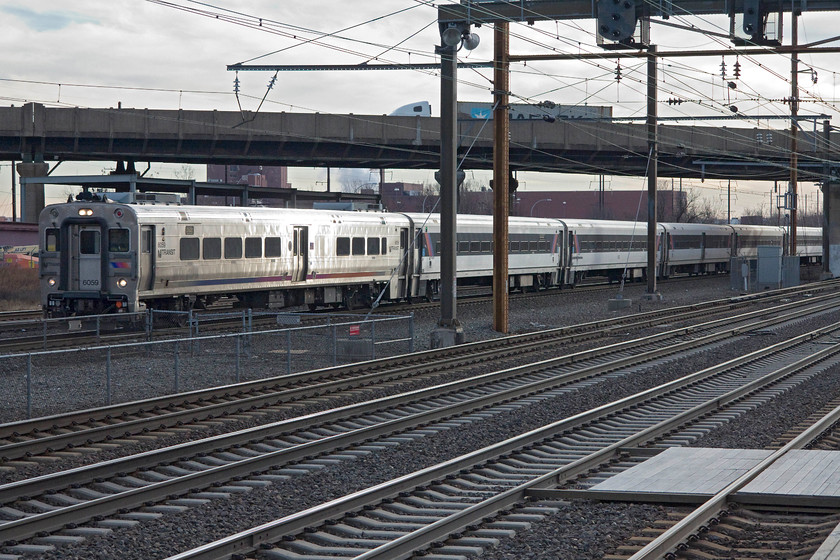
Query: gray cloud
column 46, row 21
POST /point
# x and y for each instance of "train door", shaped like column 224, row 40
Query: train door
column 703, row 247
column 87, row 254
column 404, row 266
column 300, row 253
column 147, row 272
column 663, row 243
column 568, row 258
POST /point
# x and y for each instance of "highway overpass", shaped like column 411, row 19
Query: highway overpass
column 34, row 132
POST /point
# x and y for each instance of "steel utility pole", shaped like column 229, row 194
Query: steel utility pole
column 449, row 331
column 794, row 125
column 826, row 189
column 653, row 170
column 14, row 193
column 501, row 175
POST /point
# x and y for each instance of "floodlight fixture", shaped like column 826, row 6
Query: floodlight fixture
column 451, row 37
column 471, row 41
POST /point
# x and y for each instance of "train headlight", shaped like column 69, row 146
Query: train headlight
column 122, row 282
column 51, row 282
column 85, row 212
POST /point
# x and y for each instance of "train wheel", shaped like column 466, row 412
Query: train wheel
column 349, row 299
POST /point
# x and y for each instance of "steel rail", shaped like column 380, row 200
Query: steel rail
column 676, row 535
column 267, row 392
column 50, row 521
column 262, row 399
column 406, row 545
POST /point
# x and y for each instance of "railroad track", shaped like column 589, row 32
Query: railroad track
column 446, row 505
column 693, row 533
column 300, row 445
column 87, row 428
column 42, row 340
column 20, row 315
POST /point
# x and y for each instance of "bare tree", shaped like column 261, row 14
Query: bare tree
column 184, row 173
column 686, row 206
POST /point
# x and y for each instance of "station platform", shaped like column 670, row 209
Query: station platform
column 797, row 477
column 801, row 478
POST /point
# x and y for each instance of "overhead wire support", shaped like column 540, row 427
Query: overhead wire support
column 347, row 67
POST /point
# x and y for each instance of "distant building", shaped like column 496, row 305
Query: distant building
column 252, row 175
column 17, row 233
column 403, row 197
column 614, row 205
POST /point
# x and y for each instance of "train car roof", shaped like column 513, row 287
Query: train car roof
column 698, row 228
column 575, row 223
column 738, row 228
column 186, row 213
column 482, row 219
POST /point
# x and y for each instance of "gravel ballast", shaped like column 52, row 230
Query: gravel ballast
column 559, row 536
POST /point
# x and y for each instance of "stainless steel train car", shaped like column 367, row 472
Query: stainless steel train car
column 99, row 257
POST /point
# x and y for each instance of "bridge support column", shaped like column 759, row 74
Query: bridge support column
column 32, row 198
column 831, row 230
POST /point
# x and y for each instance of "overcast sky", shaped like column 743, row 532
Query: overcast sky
column 145, row 54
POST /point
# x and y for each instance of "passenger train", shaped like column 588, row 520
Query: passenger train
column 101, row 257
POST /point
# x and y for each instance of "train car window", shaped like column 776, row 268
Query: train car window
column 534, row 246
column 463, row 247
column 273, row 247
column 486, row 247
column 189, row 248
column 475, row 246
column 212, row 248
column 373, row 246
column 358, row 245
column 233, row 247
column 342, row 246
column 385, row 245
column 544, row 246
column 89, row 242
column 146, row 240
column 513, row 247
column 253, row 247
column 118, row 240
column 52, row 240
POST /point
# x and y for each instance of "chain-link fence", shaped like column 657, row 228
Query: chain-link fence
column 44, row 383
column 47, row 333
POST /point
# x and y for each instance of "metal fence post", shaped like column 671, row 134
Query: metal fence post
column 373, row 340
column 289, row 351
column 45, row 333
column 335, row 345
column 250, row 329
column 108, row 377
column 149, row 321
column 98, row 337
column 411, row 332
column 237, row 358
column 177, row 367
column 29, row 386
